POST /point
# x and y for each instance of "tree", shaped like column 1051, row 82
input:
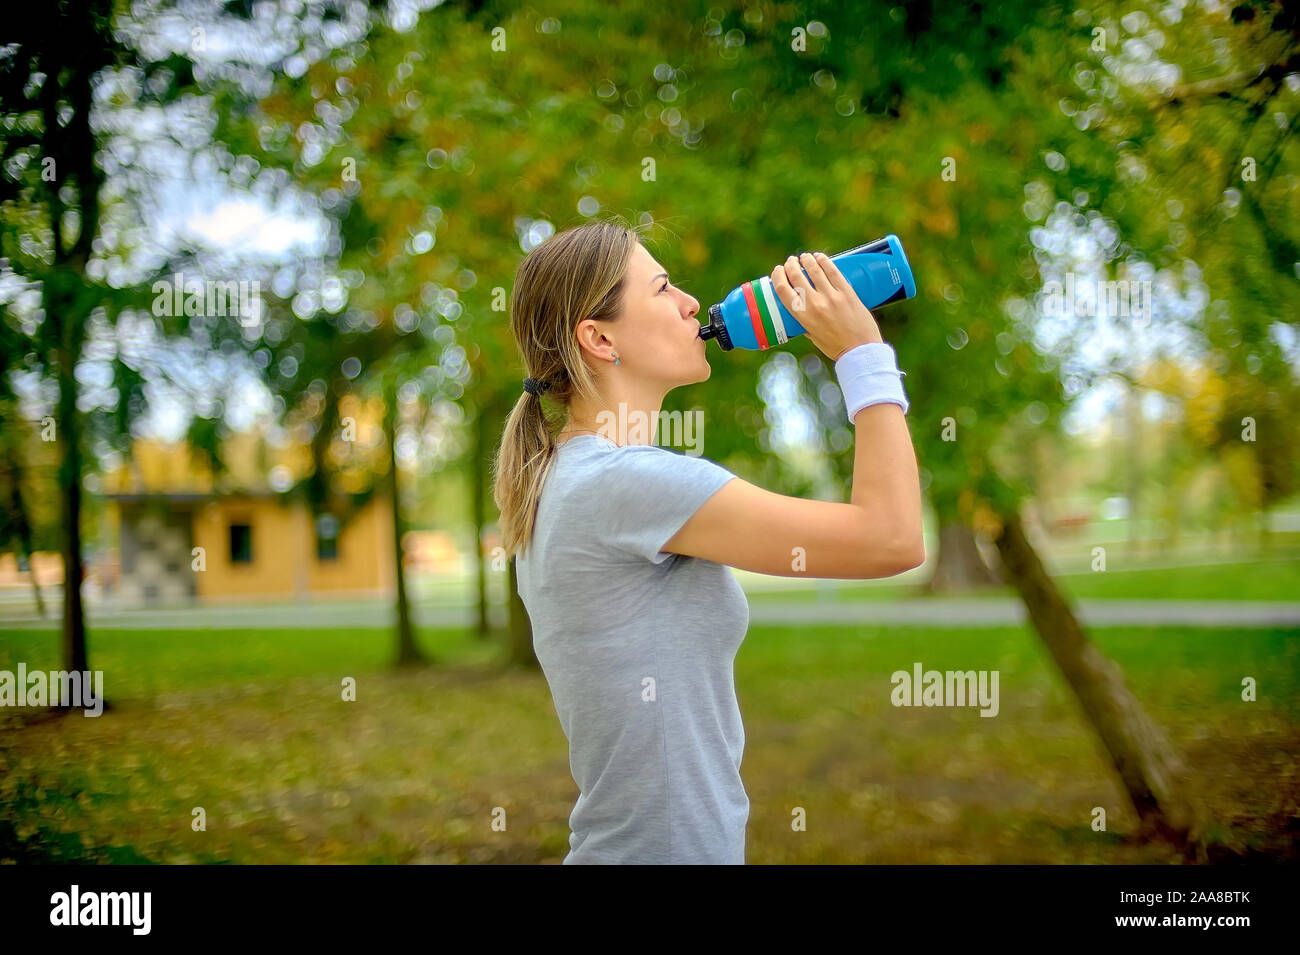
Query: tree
column 330, row 338
column 50, row 210
column 768, row 134
column 1139, row 189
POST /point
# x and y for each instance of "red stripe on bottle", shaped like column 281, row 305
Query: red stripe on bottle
column 754, row 318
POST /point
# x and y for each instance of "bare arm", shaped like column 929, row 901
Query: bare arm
column 878, row 532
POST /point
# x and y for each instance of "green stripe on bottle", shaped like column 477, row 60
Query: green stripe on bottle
column 769, row 296
column 768, row 327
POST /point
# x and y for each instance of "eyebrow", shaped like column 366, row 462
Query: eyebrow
column 661, row 275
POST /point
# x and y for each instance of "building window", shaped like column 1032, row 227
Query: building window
column 327, row 537
column 241, row 544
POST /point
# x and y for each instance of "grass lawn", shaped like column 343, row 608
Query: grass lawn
column 1253, row 580
column 250, row 727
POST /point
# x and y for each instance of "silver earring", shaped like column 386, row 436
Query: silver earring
column 617, row 360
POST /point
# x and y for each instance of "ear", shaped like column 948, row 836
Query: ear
column 591, row 338
column 583, row 332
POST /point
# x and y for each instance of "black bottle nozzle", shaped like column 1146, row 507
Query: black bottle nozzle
column 716, row 328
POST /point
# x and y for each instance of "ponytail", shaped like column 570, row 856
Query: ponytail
column 523, row 460
column 572, row 276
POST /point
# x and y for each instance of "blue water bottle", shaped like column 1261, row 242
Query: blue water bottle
column 753, row 317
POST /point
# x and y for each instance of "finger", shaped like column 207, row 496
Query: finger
column 794, row 273
column 796, row 297
column 795, row 301
column 833, row 273
column 781, row 285
column 810, row 264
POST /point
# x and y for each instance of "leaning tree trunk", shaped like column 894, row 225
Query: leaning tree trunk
column 521, row 631
column 1148, row 766
column 407, row 651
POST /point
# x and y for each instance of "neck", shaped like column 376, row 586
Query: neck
column 623, row 412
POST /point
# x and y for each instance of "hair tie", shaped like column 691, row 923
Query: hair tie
column 534, row 387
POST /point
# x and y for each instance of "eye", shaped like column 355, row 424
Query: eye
column 665, row 285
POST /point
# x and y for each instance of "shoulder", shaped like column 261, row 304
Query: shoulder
column 627, row 502
column 620, row 475
column 653, row 459
column 653, row 480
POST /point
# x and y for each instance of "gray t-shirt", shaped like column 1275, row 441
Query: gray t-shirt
column 638, row 647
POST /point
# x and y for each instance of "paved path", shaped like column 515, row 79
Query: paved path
column 928, row 612
column 999, row 611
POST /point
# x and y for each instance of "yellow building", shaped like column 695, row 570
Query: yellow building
column 184, row 536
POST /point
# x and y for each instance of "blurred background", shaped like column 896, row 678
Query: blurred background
column 255, row 357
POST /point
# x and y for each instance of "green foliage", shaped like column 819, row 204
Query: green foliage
column 431, row 151
column 759, row 150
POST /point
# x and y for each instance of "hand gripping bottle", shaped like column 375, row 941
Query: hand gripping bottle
column 753, row 317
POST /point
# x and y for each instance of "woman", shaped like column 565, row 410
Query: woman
column 623, row 546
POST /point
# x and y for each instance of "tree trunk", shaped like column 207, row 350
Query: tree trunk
column 521, row 652
column 1133, row 454
column 70, row 143
column 407, row 651
column 478, row 491
column 960, row 565
column 36, row 585
column 73, row 633
column 24, row 528
column 1149, row 769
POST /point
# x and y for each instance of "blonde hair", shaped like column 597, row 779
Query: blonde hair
column 572, row 276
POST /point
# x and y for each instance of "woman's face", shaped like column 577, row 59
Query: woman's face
column 658, row 337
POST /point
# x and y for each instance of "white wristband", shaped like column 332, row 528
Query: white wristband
column 869, row 375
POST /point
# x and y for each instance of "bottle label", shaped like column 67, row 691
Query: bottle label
column 764, row 313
